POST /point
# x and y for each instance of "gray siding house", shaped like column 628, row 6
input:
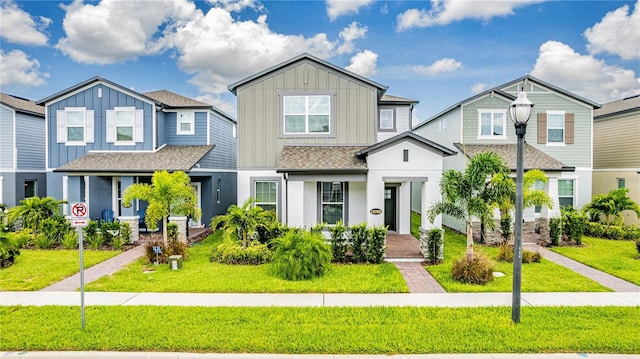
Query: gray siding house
column 558, row 139
column 102, row 137
column 320, row 144
column 22, row 150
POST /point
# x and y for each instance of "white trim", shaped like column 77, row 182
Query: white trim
column 100, row 82
column 212, row 170
column 65, row 194
column 617, row 170
column 208, row 127
column 198, row 189
column 14, row 144
column 191, row 121
column 564, row 127
column 114, row 193
column 86, row 190
column 492, row 112
column 46, row 138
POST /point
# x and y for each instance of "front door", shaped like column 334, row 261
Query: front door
column 390, row 208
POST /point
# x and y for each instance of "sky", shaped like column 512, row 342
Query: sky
column 439, row 52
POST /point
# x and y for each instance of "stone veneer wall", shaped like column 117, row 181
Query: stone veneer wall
column 424, row 248
column 182, row 226
column 133, row 225
column 495, row 236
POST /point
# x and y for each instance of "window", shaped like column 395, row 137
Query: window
column 307, row 114
column 218, row 189
column 387, row 120
column 491, row 123
column 30, row 188
column 124, row 126
column 185, row 124
column 74, row 126
column 405, row 155
column 332, row 202
column 621, row 183
column 565, row 192
column 266, row 194
column 538, row 186
column 555, row 127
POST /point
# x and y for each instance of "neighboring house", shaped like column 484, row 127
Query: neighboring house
column 558, row 139
column 320, row 144
column 22, row 138
column 103, row 137
column 616, row 149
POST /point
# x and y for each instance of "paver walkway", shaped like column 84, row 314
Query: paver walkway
column 418, row 279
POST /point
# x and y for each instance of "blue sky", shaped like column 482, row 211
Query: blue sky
column 438, row 52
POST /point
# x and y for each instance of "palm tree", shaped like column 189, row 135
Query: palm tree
column 33, row 210
column 471, row 193
column 611, row 205
column 168, row 194
column 242, row 222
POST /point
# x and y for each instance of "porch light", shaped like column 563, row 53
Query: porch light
column 520, row 111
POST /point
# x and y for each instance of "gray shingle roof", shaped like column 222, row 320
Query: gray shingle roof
column 170, row 158
column 321, row 159
column 624, row 105
column 533, row 158
column 174, row 100
column 21, row 104
column 396, row 99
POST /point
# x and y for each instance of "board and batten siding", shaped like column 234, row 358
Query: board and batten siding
column 616, row 142
column 30, row 142
column 60, row 154
column 354, row 105
column 7, row 155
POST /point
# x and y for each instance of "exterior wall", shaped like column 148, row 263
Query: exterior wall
column 606, row 181
column 245, row 192
column 161, row 135
column 470, row 115
column 616, row 143
column 30, row 142
column 224, row 154
column 200, row 130
column 7, row 138
column 8, row 188
column 354, row 106
column 208, row 201
column 357, row 202
column 60, row 153
column 402, row 121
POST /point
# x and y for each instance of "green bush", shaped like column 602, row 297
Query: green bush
column 358, row 238
column 23, row 237
column 151, row 255
column 638, row 245
column 435, row 238
column 95, row 241
column 376, row 247
column 109, row 231
column 609, row 231
column 574, row 224
column 505, row 226
column 92, row 231
column 53, row 230
column 172, row 231
column 125, row 232
column 231, row 252
column 555, row 230
column 339, row 244
column 43, row 241
column 8, row 249
column 506, row 254
column 475, row 270
column 70, row 240
column 530, row 257
column 301, row 255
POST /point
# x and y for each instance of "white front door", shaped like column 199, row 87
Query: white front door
column 197, row 186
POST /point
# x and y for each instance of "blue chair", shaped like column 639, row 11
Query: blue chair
column 141, row 222
column 107, row 215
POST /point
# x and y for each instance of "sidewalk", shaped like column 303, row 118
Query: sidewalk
column 451, row 300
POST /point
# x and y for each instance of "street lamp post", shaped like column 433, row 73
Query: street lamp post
column 520, row 110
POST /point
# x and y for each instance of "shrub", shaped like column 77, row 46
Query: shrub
column 231, row 252
column 70, row 240
column 638, row 245
column 475, row 270
column 555, row 230
column 95, row 241
column 603, row 230
column 152, row 256
column 117, row 243
column 172, row 231
column 300, row 256
column 91, row 231
column 358, row 236
column 507, row 253
column 125, row 232
column 376, row 247
column 109, row 231
column 8, row 249
column 530, row 257
column 43, row 241
column 339, row 244
column 23, row 237
column 176, row 247
column 505, row 226
column 434, row 242
column 574, row 224
column 50, row 227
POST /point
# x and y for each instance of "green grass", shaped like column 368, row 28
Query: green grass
column 545, row 276
column 618, row 258
column 376, row 330
column 37, row 269
column 199, row 275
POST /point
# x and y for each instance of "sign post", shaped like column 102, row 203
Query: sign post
column 79, row 215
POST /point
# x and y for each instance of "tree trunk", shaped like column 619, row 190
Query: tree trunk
column 244, row 240
column 469, row 241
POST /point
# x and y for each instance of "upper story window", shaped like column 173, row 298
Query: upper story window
column 387, row 120
column 555, row 127
column 306, row 114
column 491, row 123
column 185, row 124
column 124, row 126
column 74, row 126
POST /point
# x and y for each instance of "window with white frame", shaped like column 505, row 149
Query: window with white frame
column 74, row 126
column 491, row 123
column 555, row 127
column 309, row 114
column 266, row 195
column 332, row 202
column 124, row 126
column 185, row 124
column 387, row 120
column 566, row 192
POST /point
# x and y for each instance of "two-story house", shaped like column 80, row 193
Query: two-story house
column 103, row 137
column 558, row 140
column 22, row 167
column 616, row 150
column 320, row 144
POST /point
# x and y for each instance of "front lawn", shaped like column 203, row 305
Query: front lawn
column 35, row 269
column 375, row 330
column 199, row 275
column 545, row 276
column 618, row 258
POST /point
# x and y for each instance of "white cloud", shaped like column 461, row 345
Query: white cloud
column 438, row 67
column 443, row 12
column 223, row 105
column 237, row 5
column 585, row 76
column 17, row 69
column 116, row 31
column 349, row 34
column 18, row 26
column 479, row 87
column 618, row 33
column 364, row 63
column 336, row 8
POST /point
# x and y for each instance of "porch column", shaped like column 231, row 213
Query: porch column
column 430, row 195
column 552, row 190
column 404, row 208
column 75, row 192
column 295, row 195
column 129, row 215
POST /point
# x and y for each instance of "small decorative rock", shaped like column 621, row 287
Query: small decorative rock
column 498, row 274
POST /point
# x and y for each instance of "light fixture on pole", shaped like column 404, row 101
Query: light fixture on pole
column 520, row 111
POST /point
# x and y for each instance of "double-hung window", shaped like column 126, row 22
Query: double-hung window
column 491, row 123
column 555, row 127
column 307, row 114
column 332, row 199
column 566, row 192
column 74, row 126
column 125, row 123
column 387, row 120
column 185, row 123
column 266, row 195
column 124, row 126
